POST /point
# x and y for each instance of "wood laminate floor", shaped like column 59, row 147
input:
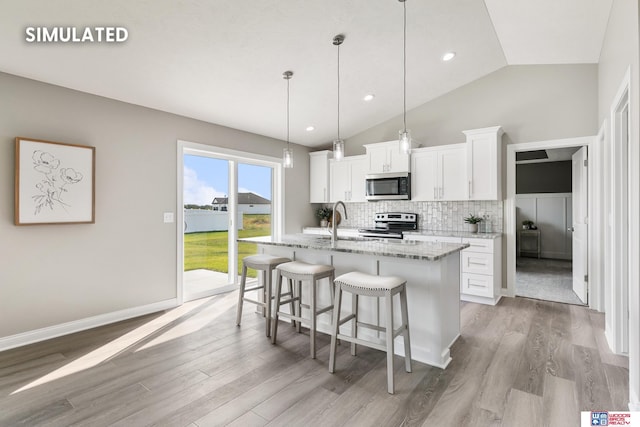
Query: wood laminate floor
column 523, row 362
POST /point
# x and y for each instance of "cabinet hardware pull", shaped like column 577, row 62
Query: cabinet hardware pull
column 470, row 192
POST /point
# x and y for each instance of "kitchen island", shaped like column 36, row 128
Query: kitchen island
column 432, row 271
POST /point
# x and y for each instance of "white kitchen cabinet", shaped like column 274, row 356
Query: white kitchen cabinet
column 480, row 266
column 319, row 176
column 385, row 157
column 439, row 173
column 358, row 173
column 481, row 271
column 347, row 179
column 484, row 163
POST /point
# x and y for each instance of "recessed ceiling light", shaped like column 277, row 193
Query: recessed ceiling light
column 369, row 97
column 310, row 128
column 448, row 56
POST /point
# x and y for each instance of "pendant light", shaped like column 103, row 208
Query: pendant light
column 338, row 144
column 287, row 157
column 405, row 134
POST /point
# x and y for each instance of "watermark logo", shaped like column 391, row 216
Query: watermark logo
column 599, row 418
column 76, row 35
column 609, row 418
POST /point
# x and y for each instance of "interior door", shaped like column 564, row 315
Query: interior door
column 580, row 219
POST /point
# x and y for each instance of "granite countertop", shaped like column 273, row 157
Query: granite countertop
column 411, row 249
column 408, row 234
column 462, row 234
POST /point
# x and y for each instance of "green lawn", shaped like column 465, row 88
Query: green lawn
column 210, row 250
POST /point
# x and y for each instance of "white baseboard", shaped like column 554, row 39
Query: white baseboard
column 49, row 332
column 480, row 300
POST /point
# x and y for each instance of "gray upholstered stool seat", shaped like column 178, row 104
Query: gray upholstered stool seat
column 299, row 272
column 362, row 284
column 266, row 264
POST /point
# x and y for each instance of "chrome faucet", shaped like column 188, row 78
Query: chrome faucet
column 334, row 225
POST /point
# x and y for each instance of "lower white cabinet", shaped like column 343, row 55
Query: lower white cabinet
column 476, row 262
column 481, row 271
column 479, row 285
column 480, row 267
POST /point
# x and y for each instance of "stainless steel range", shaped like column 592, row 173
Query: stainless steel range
column 390, row 225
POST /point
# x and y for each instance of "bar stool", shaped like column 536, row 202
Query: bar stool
column 298, row 271
column 358, row 284
column 265, row 264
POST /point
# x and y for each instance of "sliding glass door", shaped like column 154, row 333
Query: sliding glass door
column 206, row 225
column 225, row 195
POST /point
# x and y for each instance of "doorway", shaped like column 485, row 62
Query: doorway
column 550, row 215
column 223, row 195
column 513, row 220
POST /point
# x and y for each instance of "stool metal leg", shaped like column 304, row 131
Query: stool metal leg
column 405, row 332
column 243, row 283
column 389, row 333
column 335, row 327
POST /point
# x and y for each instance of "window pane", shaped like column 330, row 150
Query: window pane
column 206, row 249
column 254, row 204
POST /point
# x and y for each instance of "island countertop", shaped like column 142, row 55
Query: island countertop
column 398, row 248
column 409, row 234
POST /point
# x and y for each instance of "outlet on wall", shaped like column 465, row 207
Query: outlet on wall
column 168, row 217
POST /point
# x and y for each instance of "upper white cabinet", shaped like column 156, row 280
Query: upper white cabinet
column 386, row 157
column 319, row 176
column 347, row 179
column 484, row 163
column 439, row 173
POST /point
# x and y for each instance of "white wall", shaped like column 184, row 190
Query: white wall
column 52, row 274
column 552, row 214
column 620, row 52
column 530, row 102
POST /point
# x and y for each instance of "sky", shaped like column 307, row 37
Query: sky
column 206, row 178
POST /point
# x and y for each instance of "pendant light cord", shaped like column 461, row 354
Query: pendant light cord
column 288, row 113
column 338, row 91
column 404, row 65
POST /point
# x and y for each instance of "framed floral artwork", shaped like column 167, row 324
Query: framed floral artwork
column 54, row 183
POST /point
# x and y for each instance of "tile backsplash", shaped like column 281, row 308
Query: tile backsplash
column 435, row 216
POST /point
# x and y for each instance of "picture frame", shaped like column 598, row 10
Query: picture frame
column 54, row 182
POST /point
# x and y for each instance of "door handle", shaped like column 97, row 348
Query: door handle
column 570, row 229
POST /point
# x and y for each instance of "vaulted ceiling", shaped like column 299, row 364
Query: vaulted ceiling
column 222, row 61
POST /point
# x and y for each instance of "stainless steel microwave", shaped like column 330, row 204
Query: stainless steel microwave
column 388, row 186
